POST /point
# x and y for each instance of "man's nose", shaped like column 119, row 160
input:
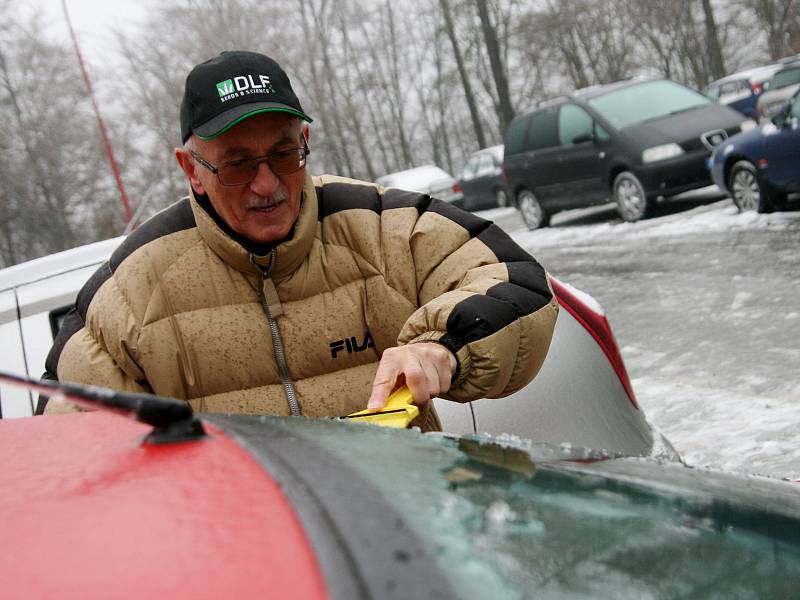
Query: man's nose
column 265, row 182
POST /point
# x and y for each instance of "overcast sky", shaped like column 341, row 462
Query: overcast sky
column 94, row 22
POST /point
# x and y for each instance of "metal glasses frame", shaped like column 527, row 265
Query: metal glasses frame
column 267, row 158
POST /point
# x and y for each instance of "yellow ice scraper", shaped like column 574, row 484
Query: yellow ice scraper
column 398, row 412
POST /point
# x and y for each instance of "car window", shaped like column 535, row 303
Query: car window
column 572, row 122
column 486, row 166
column 785, row 78
column 542, row 132
column 794, row 111
column 515, row 136
column 470, row 168
column 644, row 101
column 57, row 317
column 730, row 87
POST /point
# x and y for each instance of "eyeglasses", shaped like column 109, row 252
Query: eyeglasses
column 243, row 170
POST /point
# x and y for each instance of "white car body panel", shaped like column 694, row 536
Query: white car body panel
column 14, row 401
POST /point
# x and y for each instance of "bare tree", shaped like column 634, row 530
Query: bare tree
column 158, row 61
column 314, row 13
column 780, row 20
column 716, row 62
column 53, row 176
column 506, row 112
column 396, row 72
column 469, row 96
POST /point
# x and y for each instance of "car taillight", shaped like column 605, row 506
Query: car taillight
column 595, row 322
column 457, row 187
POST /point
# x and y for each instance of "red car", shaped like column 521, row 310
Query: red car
column 96, row 505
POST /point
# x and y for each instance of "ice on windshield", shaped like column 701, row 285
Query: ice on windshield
column 644, row 101
column 503, row 521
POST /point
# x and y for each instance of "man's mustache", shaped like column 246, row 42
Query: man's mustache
column 264, row 201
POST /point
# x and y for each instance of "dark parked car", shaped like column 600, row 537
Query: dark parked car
column 236, row 506
column 482, row 182
column 741, row 90
column 636, row 141
column 760, row 169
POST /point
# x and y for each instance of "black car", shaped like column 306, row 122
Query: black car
column 481, row 181
column 634, row 141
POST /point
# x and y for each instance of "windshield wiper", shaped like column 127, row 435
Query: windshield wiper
column 669, row 114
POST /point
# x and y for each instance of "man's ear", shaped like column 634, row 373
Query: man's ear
column 306, row 132
column 189, row 167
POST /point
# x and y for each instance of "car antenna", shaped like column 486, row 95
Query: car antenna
column 172, row 420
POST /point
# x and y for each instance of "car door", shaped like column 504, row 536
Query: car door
column 582, row 157
column 467, row 181
column 14, row 401
column 782, row 151
column 485, row 177
column 541, row 156
column 476, row 181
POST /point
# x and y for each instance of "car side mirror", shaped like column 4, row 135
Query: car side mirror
column 582, row 138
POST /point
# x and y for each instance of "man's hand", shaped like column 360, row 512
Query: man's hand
column 426, row 368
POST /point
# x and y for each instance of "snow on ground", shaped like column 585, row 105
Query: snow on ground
column 705, row 306
column 717, row 217
column 723, row 429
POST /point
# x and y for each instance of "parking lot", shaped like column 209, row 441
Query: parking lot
column 705, row 306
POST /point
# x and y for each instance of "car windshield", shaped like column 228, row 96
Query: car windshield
column 785, row 78
column 646, row 101
column 502, row 520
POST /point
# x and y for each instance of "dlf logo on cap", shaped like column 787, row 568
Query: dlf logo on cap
column 232, row 88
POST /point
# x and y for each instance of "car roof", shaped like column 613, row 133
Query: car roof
column 410, row 177
column 598, row 90
column 789, row 67
column 752, row 74
column 496, row 150
column 55, row 264
column 591, row 92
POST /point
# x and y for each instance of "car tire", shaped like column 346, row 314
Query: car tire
column 747, row 190
column 531, row 210
column 501, row 198
column 632, row 201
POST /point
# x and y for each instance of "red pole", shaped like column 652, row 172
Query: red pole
column 103, row 134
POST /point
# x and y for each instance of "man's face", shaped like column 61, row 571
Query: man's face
column 265, row 209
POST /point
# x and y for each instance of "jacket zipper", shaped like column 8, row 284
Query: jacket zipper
column 271, row 305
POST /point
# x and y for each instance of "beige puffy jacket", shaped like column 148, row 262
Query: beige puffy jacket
column 182, row 309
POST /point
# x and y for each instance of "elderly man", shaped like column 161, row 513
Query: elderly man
column 268, row 291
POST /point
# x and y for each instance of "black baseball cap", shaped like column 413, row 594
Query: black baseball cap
column 228, row 88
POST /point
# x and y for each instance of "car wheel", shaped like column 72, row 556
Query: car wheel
column 501, row 197
column 747, row 192
column 632, row 201
column 532, row 212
